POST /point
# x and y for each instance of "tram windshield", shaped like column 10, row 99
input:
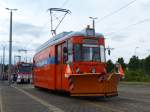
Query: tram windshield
column 27, row 69
column 88, row 52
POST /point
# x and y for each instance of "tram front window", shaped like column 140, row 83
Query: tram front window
column 89, row 52
column 25, row 69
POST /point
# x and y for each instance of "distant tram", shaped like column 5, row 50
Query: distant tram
column 23, row 72
column 74, row 62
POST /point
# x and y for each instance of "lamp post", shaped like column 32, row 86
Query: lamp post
column 3, row 67
column 93, row 22
column 19, row 58
column 25, row 51
column 10, row 46
column 135, row 50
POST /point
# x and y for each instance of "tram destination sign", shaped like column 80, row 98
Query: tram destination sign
column 90, row 41
column 26, row 64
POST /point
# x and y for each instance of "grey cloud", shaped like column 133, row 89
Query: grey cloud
column 118, row 37
column 28, row 47
column 146, row 3
column 27, row 29
column 3, row 33
column 35, row 45
column 17, row 47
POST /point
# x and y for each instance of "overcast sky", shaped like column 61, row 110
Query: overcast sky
column 127, row 31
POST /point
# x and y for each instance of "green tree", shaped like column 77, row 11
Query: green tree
column 139, row 69
column 6, row 68
column 134, row 63
column 142, row 65
column 110, row 66
column 147, row 64
column 121, row 61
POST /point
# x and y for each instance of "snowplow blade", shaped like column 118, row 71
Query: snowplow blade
column 91, row 85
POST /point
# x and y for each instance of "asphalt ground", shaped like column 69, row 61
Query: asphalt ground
column 26, row 98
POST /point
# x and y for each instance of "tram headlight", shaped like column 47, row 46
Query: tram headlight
column 93, row 70
column 78, row 70
column 19, row 76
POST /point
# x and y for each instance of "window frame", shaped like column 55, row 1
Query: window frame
column 103, row 55
column 64, row 44
column 59, row 46
column 72, row 51
column 91, row 47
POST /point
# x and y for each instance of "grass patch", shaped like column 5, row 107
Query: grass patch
column 136, row 76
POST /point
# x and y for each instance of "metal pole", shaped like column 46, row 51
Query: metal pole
column 18, row 59
column 51, row 23
column 94, row 27
column 3, row 62
column 93, row 22
column 10, row 49
column 14, row 59
column 1, row 68
column 135, row 50
column 26, row 55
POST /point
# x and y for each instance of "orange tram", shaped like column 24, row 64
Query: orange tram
column 74, row 62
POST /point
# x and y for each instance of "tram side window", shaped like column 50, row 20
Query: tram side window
column 59, row 53
column 96, row 54
column 65, row 52
column 102, row 52
column 70, row 47
column 77, row 50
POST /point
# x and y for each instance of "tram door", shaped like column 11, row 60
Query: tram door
column 60, row 65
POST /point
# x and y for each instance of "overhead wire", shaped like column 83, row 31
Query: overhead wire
column 65, row 2
column 128, row 26
column 115, row 11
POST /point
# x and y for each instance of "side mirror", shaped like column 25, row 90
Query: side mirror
column 109, row 51
column 65, row 50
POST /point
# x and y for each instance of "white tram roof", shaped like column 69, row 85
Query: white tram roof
column 63, row 36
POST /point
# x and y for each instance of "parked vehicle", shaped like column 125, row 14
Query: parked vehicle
column 22, row 72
